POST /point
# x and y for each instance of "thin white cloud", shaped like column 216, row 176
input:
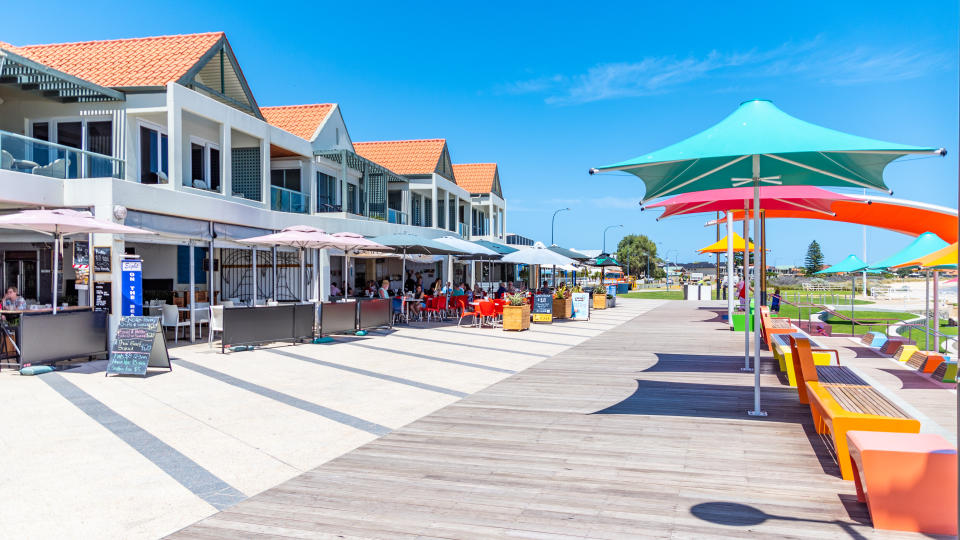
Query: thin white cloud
column 813, row 60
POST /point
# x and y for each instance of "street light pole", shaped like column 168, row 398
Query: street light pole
column 553, row 222
column 605, row 236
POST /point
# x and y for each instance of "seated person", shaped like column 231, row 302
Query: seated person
column 418, row 305
column 334, row 291
column 384, row 291
column 457, row 291
column 501, row 290
column 12, row 301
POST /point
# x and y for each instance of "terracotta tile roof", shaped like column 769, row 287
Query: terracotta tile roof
column 150, row 61
column 301, row 120
column 475, row 177
column 404, row 157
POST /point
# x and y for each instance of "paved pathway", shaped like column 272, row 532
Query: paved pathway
column 127, row 457
column 639, row 432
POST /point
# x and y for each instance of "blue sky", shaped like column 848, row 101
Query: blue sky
column 550, row 90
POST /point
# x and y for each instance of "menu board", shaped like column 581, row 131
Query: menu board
column 101, row 259
column 542, row 308
column 81, row 253
column 103, row 296
column 581, row 306
column 138, row 344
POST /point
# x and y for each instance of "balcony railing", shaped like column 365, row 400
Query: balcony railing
column 33, row 156
column 396, row 216
column 287, row 200
column 462, row 229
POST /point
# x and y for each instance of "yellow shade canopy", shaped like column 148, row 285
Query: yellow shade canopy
column 720, row 246
column 942, row 258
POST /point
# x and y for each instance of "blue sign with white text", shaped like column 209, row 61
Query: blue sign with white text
column 131, row 272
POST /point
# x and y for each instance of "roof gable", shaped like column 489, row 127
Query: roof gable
column 423, row 156
column 125, row 63
column 304, row 121
column 478, row 177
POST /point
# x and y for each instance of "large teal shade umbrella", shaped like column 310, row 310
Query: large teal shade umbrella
column 922, row 245
column 759, row 143
column 851, row 265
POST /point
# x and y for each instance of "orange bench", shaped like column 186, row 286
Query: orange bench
column 839, row 408
column 773, row 325
column 909, row 481
column 925, row 362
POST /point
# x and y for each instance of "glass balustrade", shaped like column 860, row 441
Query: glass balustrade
column 396, row 216
column 33, row 156
column 287, row 200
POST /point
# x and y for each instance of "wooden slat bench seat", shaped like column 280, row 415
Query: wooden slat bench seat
column 904, row 352
column 783, row 352
column 772, row 326
column 837, row 409
column 893, row 343
column 839, row 375
column 945, row 372
column 925, row 362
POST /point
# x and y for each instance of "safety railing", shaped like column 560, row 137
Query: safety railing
column 287, row 200
column 42, row 158
column 396, row 216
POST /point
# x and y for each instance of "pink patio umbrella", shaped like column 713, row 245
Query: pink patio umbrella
column 59, row 223
column 305, row 237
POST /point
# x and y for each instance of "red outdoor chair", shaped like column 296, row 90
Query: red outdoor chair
column 487, row 312
column 475, row 314
column 459, row 305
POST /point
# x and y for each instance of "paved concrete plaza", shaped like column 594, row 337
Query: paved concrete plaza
column 126, row 457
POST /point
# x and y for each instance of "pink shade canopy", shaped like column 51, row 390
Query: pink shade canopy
column 62, row 221
column 806, row 198
column 304, row 237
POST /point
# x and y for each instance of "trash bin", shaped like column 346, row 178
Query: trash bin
column 623, row 288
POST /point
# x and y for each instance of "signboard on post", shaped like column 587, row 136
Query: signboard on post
column 131, row 274
column 103, row 296
column 612, row 290
column 101, row 259
column 138, row 344
column 581, row 306
column 542, row 308
column 81, row 265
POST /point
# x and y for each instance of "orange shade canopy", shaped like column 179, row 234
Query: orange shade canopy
column 907, row 217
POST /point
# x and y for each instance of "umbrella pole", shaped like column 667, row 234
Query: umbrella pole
column 345, row 267
column 403, row 270
column 853, row 292
column 730, row 269
column 926, row 315
column 756, row 290
column 746, row 286
column 56, row 257
column 935, row 327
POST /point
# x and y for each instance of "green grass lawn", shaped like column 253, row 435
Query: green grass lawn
column 918, row 335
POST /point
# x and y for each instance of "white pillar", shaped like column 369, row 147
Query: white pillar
column 730, row 290
column 174, row 140
column 226, row 161
column 323, row 272
column 936, row 310
column 758, row 294
column 746, row 284
column 265, row 169
column 192, row 294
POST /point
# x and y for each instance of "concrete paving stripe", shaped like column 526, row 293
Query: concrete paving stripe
column 287, row 399
column 184, row 470
column 374, row 374
column 434, row 358
column 471, row 346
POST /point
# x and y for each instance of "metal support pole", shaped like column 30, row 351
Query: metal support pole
column 717, row 272
column 276, row 278
column 935, row 326
column 756, row 280
column 926, row 315
column 730, row 269
column 746, row 286
column 253, row 266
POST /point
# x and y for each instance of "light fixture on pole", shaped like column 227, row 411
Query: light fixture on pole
column 553, row 222
column 605, row 236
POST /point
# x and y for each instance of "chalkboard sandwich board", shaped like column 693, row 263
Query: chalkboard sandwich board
column 542, row 308
column 101, row 259
column 138, row 344
column 103, row 296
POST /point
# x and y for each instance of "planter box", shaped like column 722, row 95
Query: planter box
column 516, row 317
column 562, row 308
column 600, row 300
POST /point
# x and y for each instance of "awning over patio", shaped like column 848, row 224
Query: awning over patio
column 499, row 248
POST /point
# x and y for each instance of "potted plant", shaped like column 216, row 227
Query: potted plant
column 562, row 303
column 599, row 297
column 611, row 300
column 516, row 312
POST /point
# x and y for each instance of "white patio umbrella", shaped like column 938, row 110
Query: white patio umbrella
column 539, row 256
column 59, row 223
column 473, row 251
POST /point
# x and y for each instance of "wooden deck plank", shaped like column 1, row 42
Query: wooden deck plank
column 639, row 432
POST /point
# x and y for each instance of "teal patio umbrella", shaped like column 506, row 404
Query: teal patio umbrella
column 851, row 265
column 759, row 143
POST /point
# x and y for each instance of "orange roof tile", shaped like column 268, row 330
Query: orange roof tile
column 404, row 157
column 118, row 63
column 301, row 120
column 475, row 177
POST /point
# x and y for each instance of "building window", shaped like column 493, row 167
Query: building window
column 326, row 192
column 153, row 155
column 286, row 179
column 203, row 174
column 80, row 133
column 352, row 199
column 441, row 215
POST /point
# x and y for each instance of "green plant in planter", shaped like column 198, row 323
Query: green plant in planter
column 561, row 292
column 577, row 289
column 516, row 299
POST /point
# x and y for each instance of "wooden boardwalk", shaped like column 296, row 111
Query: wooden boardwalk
column 639, row 432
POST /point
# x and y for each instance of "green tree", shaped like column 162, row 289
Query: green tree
column 814, row 261
column 635, row 251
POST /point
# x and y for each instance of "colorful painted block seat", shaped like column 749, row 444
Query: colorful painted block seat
column 925, row 362
column 782, row 352
column 946, row 372
column 909, row 481
column 893, row 343
column 874, row 340
column 904, row 352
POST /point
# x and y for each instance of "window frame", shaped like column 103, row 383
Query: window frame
column 161, row 132
column 207, row 145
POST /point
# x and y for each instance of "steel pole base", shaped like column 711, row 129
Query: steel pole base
column 757, row 413
column 746, row 369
